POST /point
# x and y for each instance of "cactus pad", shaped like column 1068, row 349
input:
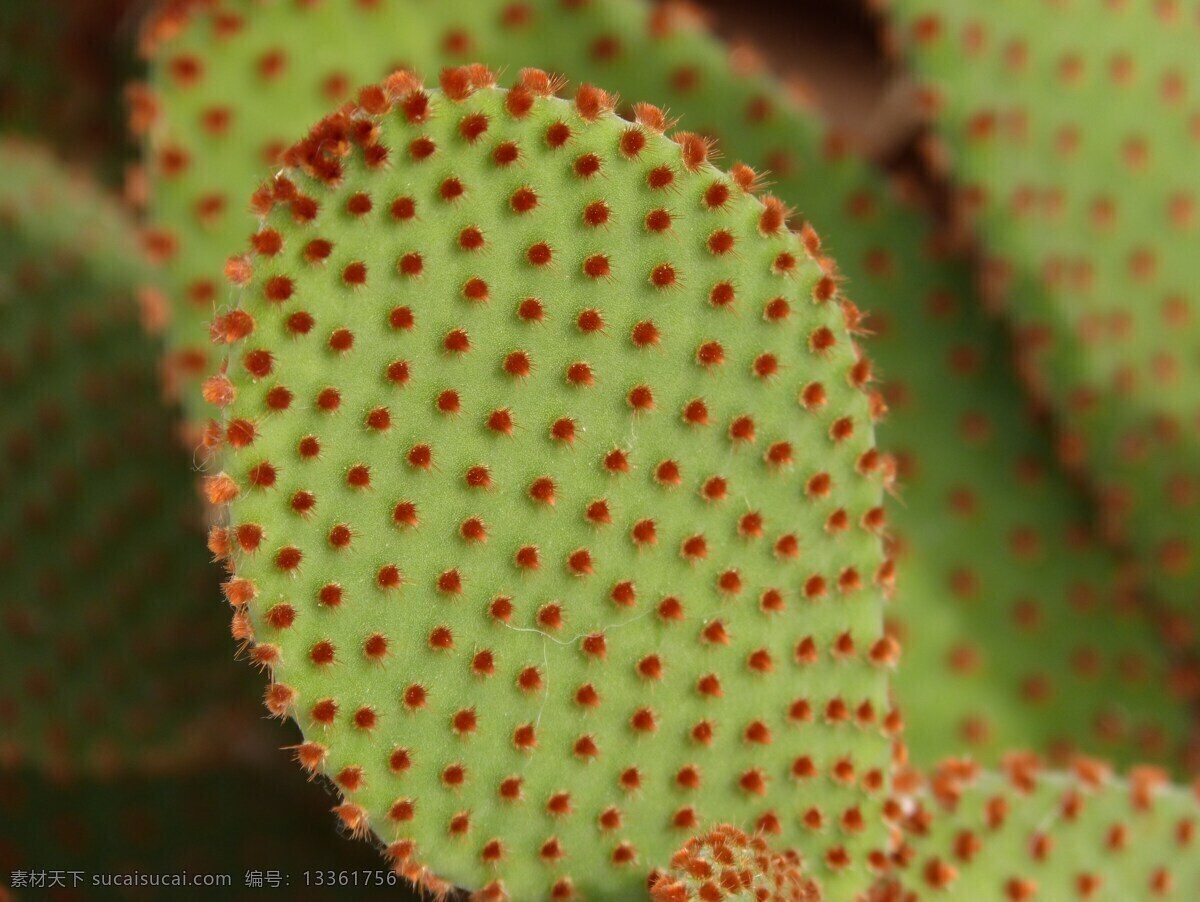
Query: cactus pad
column 106, row 592
column 1070, row 129
column 552, row 495
column 1002, row 574
column 1020, row 627
column 1024, row 833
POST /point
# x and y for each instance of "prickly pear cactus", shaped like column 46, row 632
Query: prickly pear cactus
column 531, row 509
column 1019, row 627
column 1066, row 127
column 725, row 863
column 106, row 591
column 1013, row 648
column 1026, row 833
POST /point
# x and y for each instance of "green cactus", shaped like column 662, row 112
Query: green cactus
column 1026, row 833
column 1067, row 129
column 725, row 863
column 1006, row 605
column 1033, row 622
column 106, row 591
column 1019, row 628
column 526, row 510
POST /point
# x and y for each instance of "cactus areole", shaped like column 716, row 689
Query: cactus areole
column 551, row 498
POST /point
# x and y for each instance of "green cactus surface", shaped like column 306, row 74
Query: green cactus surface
column 106, row 592
column 1011, row 593
column 1023, row 833
column 531, row 505
column 726, row 863
column 1020, row 628
column 1070, row 131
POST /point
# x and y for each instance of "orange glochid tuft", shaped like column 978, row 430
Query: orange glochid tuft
column 590, row 321
column 379, row 419
column 410, row 264
column 664, row 275
column 529, row 679
column 695, row 149
column 587, row 165
column 500, row 421
column 539, row 254
column 475, row 289
column 457, row 341
column 710, row 354
column 483, row 663
column 473, row 530
column 518, row 364
column 580, row 562
column 281, row 616
column 506, row 153
column 580, row 373
column 300, row 323
column 645, row 334
column 340, row 341
column 464, row 722
column 596, row 214
column 531, row 310
column 695, row 413
column 328, row 400
column 365, row 718
column 773, row 217
column 399, row 372
column 644, row 532
column 670, row 609
column 641, row 398
column 550, row 617
column 597, row 266
column 558, row 134
column 527, row 558
column 279, row 699
column 632, row 141
column 501, row 608
column 414, row 697
column 541, row 490
column 591, row 102
column 450, row 582
column 597, row 512
column 388, row 577
column 660, row 177
column 448, row 402
column 523, row 200
column 715, row 488
column 563, row 430
column 741, row 429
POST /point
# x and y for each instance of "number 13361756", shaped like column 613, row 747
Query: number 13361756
column 350, row 878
